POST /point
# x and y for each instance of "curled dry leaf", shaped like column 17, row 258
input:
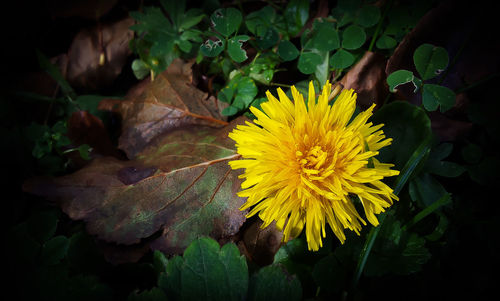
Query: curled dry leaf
column 181, row 186
column 367, row 78
column 86, row 69
column 260, row 245
column 167, row 103
column 85, row 128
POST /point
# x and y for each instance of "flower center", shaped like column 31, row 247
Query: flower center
column 312, row 162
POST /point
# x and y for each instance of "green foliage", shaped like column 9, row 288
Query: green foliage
column 163, row 39
column 244, row 50
column 208, row 272
column 239, row 94
column 429, row 61
column 407, row 125
column 396, row 251
column 402, row 77
column 272, row 283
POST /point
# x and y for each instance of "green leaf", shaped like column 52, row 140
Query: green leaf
column 308, row 61
column 368, row 16
column 287, row 51
column 436, row 95
column 486, row 172
column 430, row 60
column 84, row 151
column 230, row 111
column 212, row 48
column 408, row 125
column 386, row 42
column 83, row 253
column 341, row 59
column 55, row 73
column 54, row 250
column 226, row 20
column 321, row 73
column 259, row 21
column 268, row 39
column 472, row 153
column 396, row 251
column 348, row 5
column 175, row 10
column 296, row 15
column 209, row 273
column 190, row 19
column 170, row 281
column 325, row 37
column 43, row 225
column 239, row 92
column 329, row 274
column 154, row 294
column 160, row 262
column 272, row 283
column 402, row 77
column 353, row 37
column 438, row 167
column 443, row 200
column 424, row 189
column 234, row 48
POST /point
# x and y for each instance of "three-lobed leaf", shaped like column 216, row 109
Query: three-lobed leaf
column 402, row 77
column 226, row 20
column 308, row 61
column 353, row 37
column 436, row 95
column 341, row 59
column 287, row 51
column 212, row 48
column 234, row 48
column 430, row 60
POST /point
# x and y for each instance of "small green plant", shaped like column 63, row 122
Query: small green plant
column 160, row 39
column 430, row 61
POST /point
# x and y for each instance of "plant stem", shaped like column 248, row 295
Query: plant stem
column 479, row 82
column 379, row 25
column 445, row 199
column 280, row 85
column 403, row 177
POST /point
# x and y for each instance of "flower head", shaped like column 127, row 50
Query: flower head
column 304, row 162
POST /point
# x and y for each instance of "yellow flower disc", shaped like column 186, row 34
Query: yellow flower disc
column 304, row 161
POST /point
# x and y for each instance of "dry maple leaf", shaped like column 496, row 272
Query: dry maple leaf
column 182, row 186
column 169, row 102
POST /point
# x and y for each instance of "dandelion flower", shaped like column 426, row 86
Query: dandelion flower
column 304, row 163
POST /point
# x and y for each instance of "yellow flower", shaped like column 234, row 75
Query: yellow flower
column 304, row 162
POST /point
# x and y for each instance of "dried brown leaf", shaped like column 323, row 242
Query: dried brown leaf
column 97, row 56
column 367, row 78
column 125, row 202
column 167, row 103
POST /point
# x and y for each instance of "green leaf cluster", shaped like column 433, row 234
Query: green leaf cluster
column 161, row 39
column 208, row 272
column 430, row 61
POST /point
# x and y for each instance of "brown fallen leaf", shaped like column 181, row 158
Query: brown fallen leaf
column 260, row 245
column 85, row 128
column 167, row 103
column 182, row 186
column 97, row 56
column 367, row 78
